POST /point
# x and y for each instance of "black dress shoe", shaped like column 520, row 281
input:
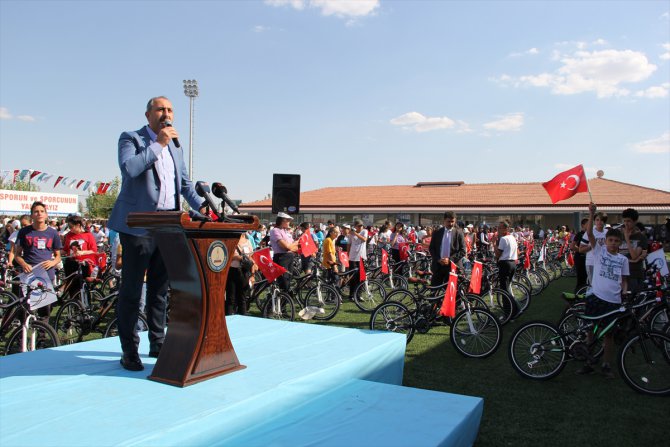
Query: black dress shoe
column 132, row 362
column 154, row 352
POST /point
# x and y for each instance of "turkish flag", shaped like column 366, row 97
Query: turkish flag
column 448, row 308
column 566, row 184
column 307, row 245
column 344, row 258
column 476, row 278
column 570, row 260
column 526, row 260
column 385, row 262
column 269, row 269
column 404, row 250
column 361, row 271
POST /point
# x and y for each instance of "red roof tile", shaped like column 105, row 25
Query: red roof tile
column 480, row 195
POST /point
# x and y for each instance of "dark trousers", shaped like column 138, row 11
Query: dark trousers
column 580, row 269
column 355, row 278
column 440, row 274
column 140, row 254
column 506, row 273
column 235, row 292
column 286, row 261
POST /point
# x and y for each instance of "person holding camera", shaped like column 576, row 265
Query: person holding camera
column 240, row 275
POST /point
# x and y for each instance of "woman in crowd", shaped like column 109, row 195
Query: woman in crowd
column 241, row 272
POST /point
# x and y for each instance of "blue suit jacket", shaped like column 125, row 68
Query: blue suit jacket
column 140, row 183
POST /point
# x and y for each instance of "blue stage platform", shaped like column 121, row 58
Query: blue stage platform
column 304, row 385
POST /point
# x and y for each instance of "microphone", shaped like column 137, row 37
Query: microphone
column 221, row 192
column 168, row 123
column 202, row 189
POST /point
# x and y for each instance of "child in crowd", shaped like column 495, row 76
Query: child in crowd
column 610, row 272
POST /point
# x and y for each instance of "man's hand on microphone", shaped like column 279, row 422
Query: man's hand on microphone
column 166, row 135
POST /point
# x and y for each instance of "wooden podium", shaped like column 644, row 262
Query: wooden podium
column 197, row 257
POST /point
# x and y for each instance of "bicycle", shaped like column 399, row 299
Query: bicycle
column 474, row 331
column 539, row 350
column 321, row 301
column 25, row 332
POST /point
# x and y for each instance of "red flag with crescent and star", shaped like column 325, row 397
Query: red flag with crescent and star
column 476, row 278
column 570, row 260
column 344, row 258
column 385, row 262
column 307, row 245
column 448, row 308
column 403, row 247
column 361, row 271
column 526, row 258
column 269, row 269
column 566, row 184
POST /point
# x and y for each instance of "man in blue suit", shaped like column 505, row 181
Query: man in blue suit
column 153, row 177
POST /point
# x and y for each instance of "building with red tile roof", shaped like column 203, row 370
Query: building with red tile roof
column 424, row 203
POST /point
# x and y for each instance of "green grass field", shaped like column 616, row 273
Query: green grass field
column 569, row 410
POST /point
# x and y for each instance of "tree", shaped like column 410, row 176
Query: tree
column 19, row 185
column 100, row 205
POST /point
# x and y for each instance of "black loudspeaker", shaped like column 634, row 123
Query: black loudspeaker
column 286, row 193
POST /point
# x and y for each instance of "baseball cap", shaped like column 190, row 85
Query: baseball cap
column 358, row 222
column 284, row 216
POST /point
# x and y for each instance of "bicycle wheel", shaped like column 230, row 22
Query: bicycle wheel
column 323, row 297
column 521, row 295
column 404, row 297
column 398, row 283
column 500, row 304
column 546, row 277
column 658, row 319
column 476, row 333
column 644, row 363
column 112, row 329
column 72, row 323
column 536, row 281
column 537, row 351
column 575, row 329
column 110, row 284
column 476, row 301
column 280, row 307
column 393, row 317
column 369, row 294
column 39, row 336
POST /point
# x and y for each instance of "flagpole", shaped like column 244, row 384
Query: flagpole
column 588, row 188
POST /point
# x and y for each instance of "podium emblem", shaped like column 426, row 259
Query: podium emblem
column 217, row 256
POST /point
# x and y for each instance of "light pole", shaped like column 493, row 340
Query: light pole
column 190, row 90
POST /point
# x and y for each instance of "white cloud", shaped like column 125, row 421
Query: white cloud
column 259, row 29
column 660, row 145
column 512, row 122
column 665, row 15
column 602, row 72
column 666, row 56
column 418, row 122
column 657, row 91
column 599, row 42
column 338, row 8
column 531, row 51
column 5, row 115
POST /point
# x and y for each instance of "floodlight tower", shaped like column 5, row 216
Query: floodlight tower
column 190, row 90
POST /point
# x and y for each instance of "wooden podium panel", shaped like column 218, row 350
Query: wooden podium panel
column 197, row 258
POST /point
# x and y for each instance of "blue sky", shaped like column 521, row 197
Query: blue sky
column 343, row 92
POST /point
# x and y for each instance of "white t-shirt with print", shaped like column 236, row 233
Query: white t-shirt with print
column 608, row 270
column 600, row 240
column 358, row 248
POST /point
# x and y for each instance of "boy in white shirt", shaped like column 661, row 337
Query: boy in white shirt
column 610, row 272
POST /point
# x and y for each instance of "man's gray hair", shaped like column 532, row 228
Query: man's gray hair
column 150, row 104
